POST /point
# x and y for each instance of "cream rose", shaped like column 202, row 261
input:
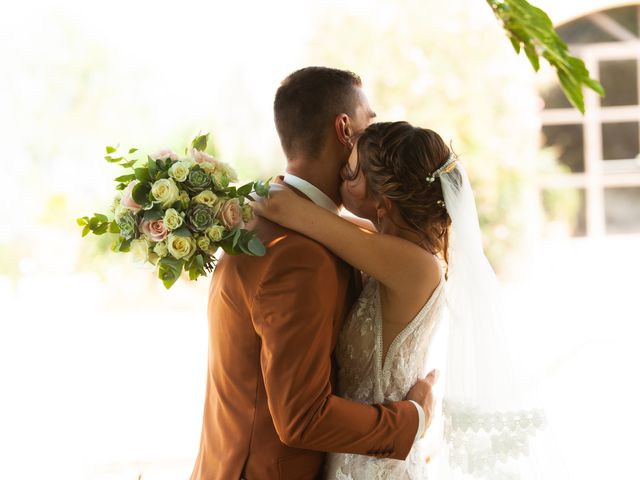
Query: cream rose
column 179, row 171
column 160, row 249
column 231, row 214
column 140, row 249
column 180, row 247
column 247, row 213
column 215, row 233
column 203, row 243
column 230, row 172
column 172, row 219
column 207, row 197
column 165, row 191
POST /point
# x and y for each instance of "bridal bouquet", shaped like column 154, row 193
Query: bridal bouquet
column 175, row 212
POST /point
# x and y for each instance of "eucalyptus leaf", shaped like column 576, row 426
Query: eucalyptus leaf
column 182, row 232
column 256, row 247
column 125, row 178
column 141, row 192
column 200, row 142
column 169, row 270
column 142, row 174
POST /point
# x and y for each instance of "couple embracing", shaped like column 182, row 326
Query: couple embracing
column 318, row 350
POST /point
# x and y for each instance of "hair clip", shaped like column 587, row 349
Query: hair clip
column 430, row 179
column 441, row 203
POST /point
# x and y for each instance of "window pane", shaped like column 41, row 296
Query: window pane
column 565, row 211
column 627, row 17
column 620, row 81
column 568, row 141
column 622, row 209
column 554, row 97
column 584, row 31
column 620, row 140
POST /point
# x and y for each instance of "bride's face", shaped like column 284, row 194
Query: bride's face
column 355, row 195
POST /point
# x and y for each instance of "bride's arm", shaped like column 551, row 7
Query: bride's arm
column 393, row 261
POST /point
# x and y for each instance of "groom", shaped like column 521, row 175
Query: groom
column 274, row 321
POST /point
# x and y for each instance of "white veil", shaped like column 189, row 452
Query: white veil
column 492, row 426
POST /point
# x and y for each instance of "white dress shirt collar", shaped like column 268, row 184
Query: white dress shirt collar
column 316, row 195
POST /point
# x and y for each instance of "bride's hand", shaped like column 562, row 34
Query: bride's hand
column 275, row 206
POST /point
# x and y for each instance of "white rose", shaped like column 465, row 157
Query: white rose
column 165, row 191
column 172, row 219
column 203, row 243
column 207, row 197
column 160, row 249
column 220, row 179
column 179, row 171
column 230, row 173
column 180, row 247
column 215, row 233
column 140, row 249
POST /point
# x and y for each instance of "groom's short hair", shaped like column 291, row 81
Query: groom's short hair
column 306, row 104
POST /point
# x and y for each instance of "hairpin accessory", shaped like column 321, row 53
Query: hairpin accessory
column 446, row 167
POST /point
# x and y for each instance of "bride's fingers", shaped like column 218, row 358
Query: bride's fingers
column 432, row 376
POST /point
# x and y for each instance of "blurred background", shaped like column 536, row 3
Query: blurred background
column 102, row 371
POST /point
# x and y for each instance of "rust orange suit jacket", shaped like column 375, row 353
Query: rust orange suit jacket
column 269, row 410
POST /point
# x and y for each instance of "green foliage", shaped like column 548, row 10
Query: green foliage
column 200, row 142
column 169, row 270
column 531, row 29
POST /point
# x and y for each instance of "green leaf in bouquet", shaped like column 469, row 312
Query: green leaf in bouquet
column 532, row 55
column 121, row 186
column 155, row 213
column 245, row 189
column 236, row 238
column 121, row 245
column 256, row 247
column 125, row 178
column 86, row 230
column 182, row 232
column 132, row 150
column 82, row 221
column 200, row 142
column 100, row 229
column 100, row 217
column 129, row 163
column 169, row 270
column 111, row 159
column 262, row 188
column 195, row 266
column 113, row 227
column 142, row 174
column 152, row 166
column 111, row 149
column 140, row 193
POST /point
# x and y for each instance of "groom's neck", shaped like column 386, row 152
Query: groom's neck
column 312, row 171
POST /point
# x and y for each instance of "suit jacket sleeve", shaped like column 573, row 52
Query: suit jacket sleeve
column 293, row 314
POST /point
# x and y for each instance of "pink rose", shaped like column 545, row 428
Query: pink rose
column 154, row 229
column 202, row 157
column 164, row 154
column 127, row 200
column 231, row 214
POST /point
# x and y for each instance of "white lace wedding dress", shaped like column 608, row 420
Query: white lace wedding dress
column 366, row 377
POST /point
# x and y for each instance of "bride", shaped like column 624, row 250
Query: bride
column 417, row 242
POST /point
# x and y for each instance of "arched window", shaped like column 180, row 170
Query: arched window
column 600, row 151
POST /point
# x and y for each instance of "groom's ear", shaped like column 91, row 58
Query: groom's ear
column 344, row 130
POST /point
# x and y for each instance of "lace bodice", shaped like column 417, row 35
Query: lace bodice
column 365, row 376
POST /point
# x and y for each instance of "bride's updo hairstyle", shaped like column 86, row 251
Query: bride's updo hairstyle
column 396, row 159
